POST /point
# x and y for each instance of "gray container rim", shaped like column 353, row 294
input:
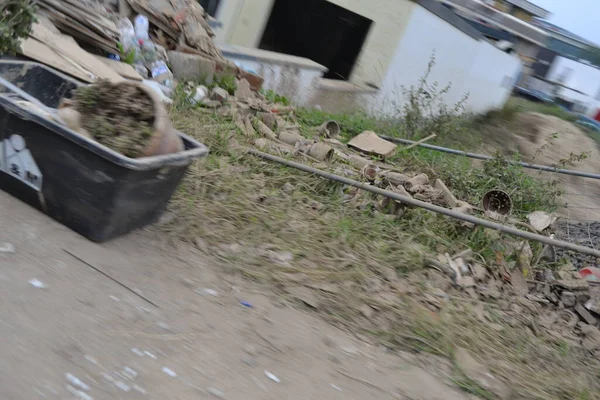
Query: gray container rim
column 181, row 158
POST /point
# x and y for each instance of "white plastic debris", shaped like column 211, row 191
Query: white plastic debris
column 339, row 389
column 137, row 351
column 152, row 356
column 130, row 373
column 540, row 220
column 73, row 380
column 216, row 392
column 272, row 377
column 211, row 292
column 123, row 386
column 115, row 298
column 37, row 284
column 78, row 393
column 91, row 359
column 7, row 247
column 199, row 94
column 157, row 88
column 139, row 389
column 169, row 372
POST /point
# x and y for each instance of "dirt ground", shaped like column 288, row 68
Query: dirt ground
column 139, row 318
column 529, row 134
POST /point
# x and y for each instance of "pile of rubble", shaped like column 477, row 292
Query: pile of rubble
column 561, row 303
column 93, row 40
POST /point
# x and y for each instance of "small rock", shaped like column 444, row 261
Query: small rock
column 585, row 315
column 582, row 298
column 540, row 220
column 7, row 248
column 219, row 94
column 516, row 308
column 568, row 299
column 243, row 91
column 518, row 282
column 552, row 298
column 216, row 392
column 201, row 244
column 288, row 188
column 249, row 361
column 315, row 205
column 465, row 281
column 282, row 258
column 166, row 218
column 528, row 304
column 593, row 305
column 480, row 374
column 491, row 292
column 249, row 349
column 591, row 338
column 211, row 103
column 479, row 272
column 439, row 293
column 305, row 295
column 367, row 311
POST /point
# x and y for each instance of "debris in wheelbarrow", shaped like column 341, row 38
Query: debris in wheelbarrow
column 79, row 182
column 124, row 116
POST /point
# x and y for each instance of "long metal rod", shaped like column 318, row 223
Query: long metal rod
column 440, row 210
column 484, row 157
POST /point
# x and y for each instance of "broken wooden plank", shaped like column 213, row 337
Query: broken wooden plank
column 368, row 142
column 38, row 51
column 69, row 49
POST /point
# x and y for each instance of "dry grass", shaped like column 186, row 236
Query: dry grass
column 352, row 258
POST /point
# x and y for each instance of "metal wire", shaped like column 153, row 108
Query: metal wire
column 440, row 210
column 484, row 157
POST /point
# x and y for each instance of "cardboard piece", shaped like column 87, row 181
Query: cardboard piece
column 38, row 51
column 121, row 68
column 69, row 49
column 368, row 142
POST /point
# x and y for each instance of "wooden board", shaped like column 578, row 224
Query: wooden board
column 40, row 52
column 71, row 50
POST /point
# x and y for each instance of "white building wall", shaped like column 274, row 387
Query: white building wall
column 471, row 66
column 583, row 78
column 244, row 22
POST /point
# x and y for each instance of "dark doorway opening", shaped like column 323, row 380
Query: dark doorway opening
column 319, row 30
column 210, row 6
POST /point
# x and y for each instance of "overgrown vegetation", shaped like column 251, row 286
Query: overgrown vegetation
column 16, row 18
column 282, row 227
column 517, row 105
column 349, row 254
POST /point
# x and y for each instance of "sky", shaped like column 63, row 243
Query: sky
column 578, row 16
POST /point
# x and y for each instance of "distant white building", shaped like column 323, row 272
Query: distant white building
column 369, row 51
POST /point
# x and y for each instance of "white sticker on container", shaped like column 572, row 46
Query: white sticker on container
column 17, row 161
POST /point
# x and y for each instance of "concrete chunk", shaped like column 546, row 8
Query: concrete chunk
column 187, row 67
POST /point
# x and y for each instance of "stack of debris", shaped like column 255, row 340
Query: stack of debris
column 84, row 20
column 560, row 303
column 177, row 26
